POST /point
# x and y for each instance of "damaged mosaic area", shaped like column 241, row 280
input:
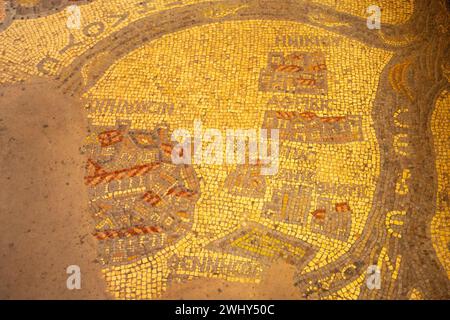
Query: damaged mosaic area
column 361, row 113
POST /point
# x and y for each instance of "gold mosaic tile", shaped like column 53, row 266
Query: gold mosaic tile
column 361, row 180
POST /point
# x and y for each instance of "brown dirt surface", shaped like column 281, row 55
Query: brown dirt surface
column 44, row 226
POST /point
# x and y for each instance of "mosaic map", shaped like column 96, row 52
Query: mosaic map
column 358, row 119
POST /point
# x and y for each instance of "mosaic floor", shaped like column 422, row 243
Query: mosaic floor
column 363, row 114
